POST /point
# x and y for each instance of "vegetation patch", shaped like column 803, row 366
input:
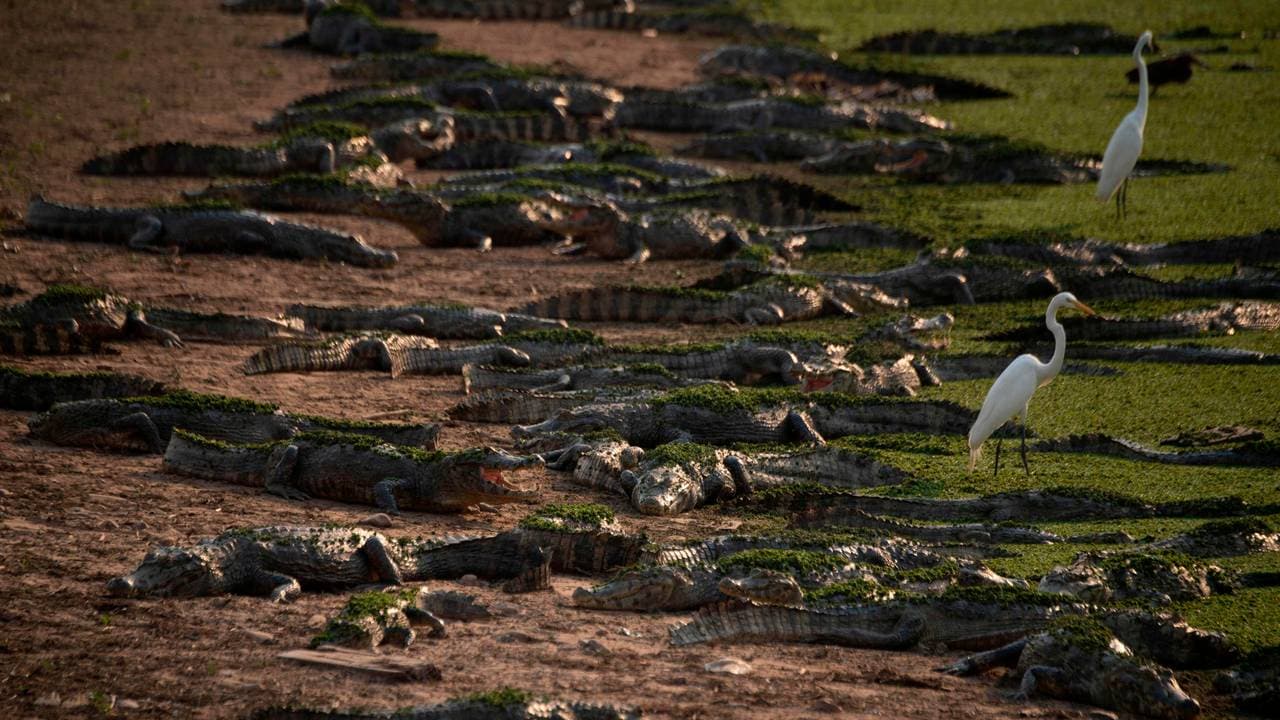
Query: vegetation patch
column 1232, row 526
column 556, row 336
column 1084, row 633
column 680, row 453
column 187, row 400
column 60, row 293
column 795, row 562
column 856, row 590
column 554, row 516
column 333, row 131
column 501, row 698
column 1001, row 595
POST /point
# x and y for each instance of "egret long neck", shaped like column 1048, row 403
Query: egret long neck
column 1143, row 88
column 1046, row 373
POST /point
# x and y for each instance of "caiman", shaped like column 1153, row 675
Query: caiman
column 765, row 113
column 440, row 321
column 372, row 618
column 353, row 29
column 504, row 704
column 412, row 66
column 496, row 91
column 994, row 160
column 282, row 562
column 147, row 423
column 768, row 302
column 479, row 378
column 1251, row 453
column 1128, row 575
column 1227, row 318
column 1081, row 660
column 1075, row 38
column 198, row 229
column 584, row 539
column 354, row 469
column 22, row 389
column 74, row 319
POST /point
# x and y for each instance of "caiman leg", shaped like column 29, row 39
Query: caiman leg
column 477, row 240
column 418, row 616
column 769, row 314
column 566, row 458
column 562, row 383
column 1006, row 656
column 511, row 356
column 375, row 551
column 147, row 234
column 799, row 425
column 278, row 587
column 738, row 471
column 140, row 424
column 384, row 495
column 279, row 474
column 1042, row 679
column 639, row 255
column 136, row 324
column 409, row 323
column 398, row 631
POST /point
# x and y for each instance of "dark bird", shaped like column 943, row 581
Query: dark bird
column 1176, row 69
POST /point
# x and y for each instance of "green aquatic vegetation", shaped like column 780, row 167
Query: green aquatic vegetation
column 801, row 562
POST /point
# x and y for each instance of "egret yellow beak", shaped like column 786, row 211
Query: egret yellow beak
column 1085, row 308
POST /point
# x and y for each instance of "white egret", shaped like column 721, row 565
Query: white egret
column 1126, row 143
column 1011, row 393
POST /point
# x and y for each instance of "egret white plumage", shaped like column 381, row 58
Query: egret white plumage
column 1126, row 142
column 1011, row 393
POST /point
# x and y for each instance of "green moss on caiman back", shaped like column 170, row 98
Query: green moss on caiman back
column 188, row 400
column 1083, row 633
column 68, row 292
column 803, row 562
column 330, row 130
column 1000, row 595
column 11, row 371
column 490, row 199
column 680, row 453
column 545, row 517
column 500, row 698
column 855, row 590
column 556, row 336
column 1232, row 526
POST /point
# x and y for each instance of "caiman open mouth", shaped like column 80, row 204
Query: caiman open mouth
column 818, row 382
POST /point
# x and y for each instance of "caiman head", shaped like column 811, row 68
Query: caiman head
column 638, row 590
column 420, row 138
column 1149, row 691
column 577, row 215
column 1083, row 580
column 476, row 476
column 170, row 572
column 676, row 488
column 350, row 249
column 764, row 587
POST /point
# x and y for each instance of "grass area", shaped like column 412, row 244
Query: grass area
column 1073, row 104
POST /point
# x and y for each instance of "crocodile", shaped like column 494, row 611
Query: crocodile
column 765, row 113
column 510, row 219
column 993, row 160
column 148, row 423
column 411, row 66
column 1227, row 317
column 198, row 229
column 226, row 328
column 614, row 178
column 503, row 704
column 1083, row 661
column 846, row 236
column 694, row 233
column 762, row 199
column 365, row 351
column 479, row 378
column 742, row 362
column 372, row 618
column 1153, row 578
column 1255, row 453
column 1074, row 38
column 718, row 416
column 784, row 63
column 1224, row 538
column 527, row 406
column 281, row 562
column 73, row 319
column 500, row 154
column 763, row 146
column 440, row 321
column 347, row 29
column 678, row 477
column 540, row 348
column 903, row 377
column 495, row 91
column 354, row 469
column 768, row 302
column 22, row 389
column 319, row 148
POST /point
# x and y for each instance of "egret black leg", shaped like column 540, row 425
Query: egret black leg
column 998, row 440
column 1026, row 468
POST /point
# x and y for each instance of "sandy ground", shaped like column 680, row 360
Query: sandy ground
column 85, row 76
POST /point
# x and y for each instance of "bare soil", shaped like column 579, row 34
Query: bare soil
column 86, row 76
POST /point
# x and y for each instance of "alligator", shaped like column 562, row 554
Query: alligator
column 319, row 148
column 353, row 29
column 372, row 618
column 614, row 178
column 504, row 704
column 147, row 423
column 986, row 160
column 540, row 348
column 366, row 351
column 1254, row 453
column 479, row 378
column 718, row 416
column 510, row 219
column 354, row 469
column 499, row 154
column 762, row 199
column 39, row 390
column 763, row 113
column 226, row 328
column 496, row 92
column 583, row 539
column 1050, row 39
column 440, row 321
column 845, row 236
column 784, row 63
column 1226, row 317
column 411, row 66
column 678, row 477
column 527, row 406
column 902, row 377
column 281, row 562
column 769, row 302
column 74, row 319
column 1082, row 660
column 742, row 362
column 668, row 235
column 197, row 229
column 1153, row 578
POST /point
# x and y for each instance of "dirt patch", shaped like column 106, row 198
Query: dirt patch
column 90, row 76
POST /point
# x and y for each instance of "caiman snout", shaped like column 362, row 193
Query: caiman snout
column 120, row 586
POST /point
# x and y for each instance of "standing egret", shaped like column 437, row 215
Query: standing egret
column 1012, row 391
column 1126, row 143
